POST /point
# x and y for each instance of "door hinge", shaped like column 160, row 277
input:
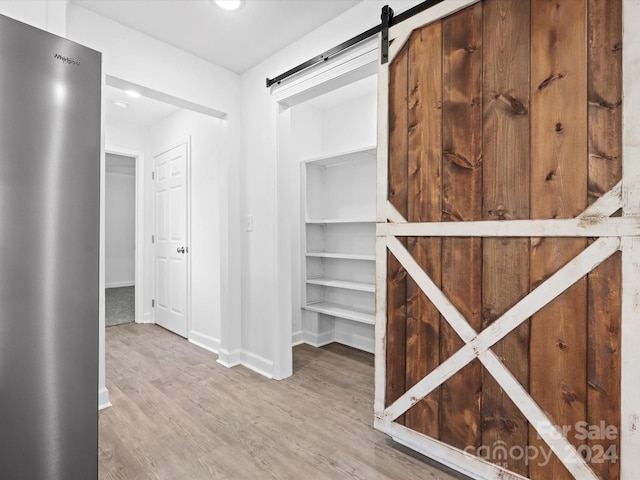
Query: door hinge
column 153, row 303
column 153, row 175
column 153, row 239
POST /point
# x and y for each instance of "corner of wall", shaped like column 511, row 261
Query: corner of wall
column 319, row 339
column 257, row 363
column 103, row 398
column 248, row 360
column 297, row 338
column 229, row 359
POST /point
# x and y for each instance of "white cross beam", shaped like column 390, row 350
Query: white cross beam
column 478, row 345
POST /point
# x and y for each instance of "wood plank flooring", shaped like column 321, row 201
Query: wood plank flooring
column 177, row 414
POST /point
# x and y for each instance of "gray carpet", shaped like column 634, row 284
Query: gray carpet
column 119, row 306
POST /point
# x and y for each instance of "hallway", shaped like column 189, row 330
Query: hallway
column 177, row 414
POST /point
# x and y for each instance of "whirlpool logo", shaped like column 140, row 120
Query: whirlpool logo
column 67, row 60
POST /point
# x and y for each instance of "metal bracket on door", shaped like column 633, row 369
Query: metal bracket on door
column 387, row 17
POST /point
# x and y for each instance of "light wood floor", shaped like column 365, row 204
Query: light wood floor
column 178, row 415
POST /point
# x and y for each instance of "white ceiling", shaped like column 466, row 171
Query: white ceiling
column 235, row 40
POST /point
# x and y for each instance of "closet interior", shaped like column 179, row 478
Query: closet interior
column 334, row 141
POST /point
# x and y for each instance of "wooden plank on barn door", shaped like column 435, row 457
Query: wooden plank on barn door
column 630, row 335
column 424, row 204
column 460, row 419
column 558, row 342
column 604, row 25
column 397, row 190
column 506, row 44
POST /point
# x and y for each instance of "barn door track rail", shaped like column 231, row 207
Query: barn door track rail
column 387, row 21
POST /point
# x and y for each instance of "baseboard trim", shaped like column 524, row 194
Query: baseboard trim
column 356, row 341
column 204, row 341
column 297, row 338
column 319, row 339
column 120, row 284
column 360, row 342
column 103, row 398
column 248, row 360
column 229, row 359
column 146, row 318
column 264, row 366
column 257, row 363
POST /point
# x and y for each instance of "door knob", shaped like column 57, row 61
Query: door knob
column 181, row 250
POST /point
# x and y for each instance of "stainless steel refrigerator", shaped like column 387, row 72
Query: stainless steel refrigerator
column 49, row 243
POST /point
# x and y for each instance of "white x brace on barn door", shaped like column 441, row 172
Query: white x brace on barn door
column 609, row 234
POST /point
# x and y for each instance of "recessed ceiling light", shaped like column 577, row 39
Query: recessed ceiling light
column 132, row 93
column 229, row 4
column 120, row 104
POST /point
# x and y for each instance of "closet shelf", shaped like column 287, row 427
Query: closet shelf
column 341, row 311
column 345, row 284
column 345, row 256
column 357, row 155
column 340, row 220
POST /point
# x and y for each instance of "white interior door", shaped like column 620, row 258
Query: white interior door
column 171, row 245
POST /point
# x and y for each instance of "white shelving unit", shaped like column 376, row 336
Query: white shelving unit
column 340, row 311
column 329, row 136
column 339, row 240
column 346, row 285
column 345, row 256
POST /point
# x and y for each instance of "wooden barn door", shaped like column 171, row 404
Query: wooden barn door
column 500, row 225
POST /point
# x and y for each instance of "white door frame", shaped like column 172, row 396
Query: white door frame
column 139, row 227
column 356, row 63
column 182, row 141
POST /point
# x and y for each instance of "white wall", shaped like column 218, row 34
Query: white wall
column 307, row 131
column 120, row 222
column 306, row 142
column 127, row 136
column 141, row 59
column 261, row 312
column 34, row 12
column 208, row 144
column 48, row 15
column 350, row 126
